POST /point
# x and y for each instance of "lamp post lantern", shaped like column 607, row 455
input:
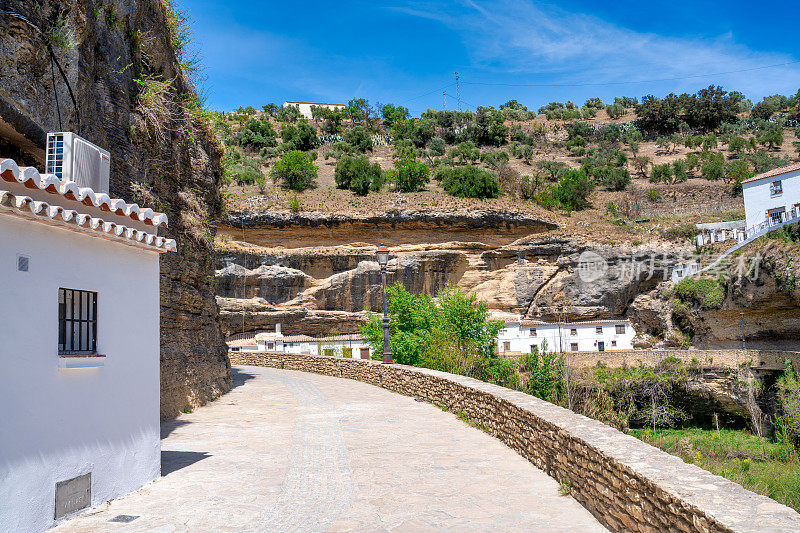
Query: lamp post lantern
column 383, row 259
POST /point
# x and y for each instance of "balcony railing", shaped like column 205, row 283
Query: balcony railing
column 784, row 217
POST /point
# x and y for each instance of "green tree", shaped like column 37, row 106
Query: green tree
column 466, row 152
column 453, row 334
column 295, row 170
column 552, row 170
column 573, row 190
column 713, row 166
column 302, row 137
column 736, row 145
column 661, row 173
column 358, row 138
column 392, row 114
column 468, row 182
column 288, row 113
column 710, row 107
column 679, row 174
column 357, row 174
column 771, row 137
column 409, row 175
column 256, row 133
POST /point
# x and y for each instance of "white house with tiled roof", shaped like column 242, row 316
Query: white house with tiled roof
column 305, row 107
column 771, row 198
column 350, row 345
column 525, row 336
column 79, row 345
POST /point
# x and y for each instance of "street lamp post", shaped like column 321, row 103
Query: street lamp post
column 383, row 259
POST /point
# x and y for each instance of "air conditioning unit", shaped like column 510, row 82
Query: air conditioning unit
column 73, row 158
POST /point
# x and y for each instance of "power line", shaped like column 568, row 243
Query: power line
column 599, row 84
column 429, row 93
column 458, row 92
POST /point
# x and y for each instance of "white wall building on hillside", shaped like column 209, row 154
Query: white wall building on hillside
column 771, row 198
column 79, row 323
column 305, row 107
column 524, row 336
column 352, row 345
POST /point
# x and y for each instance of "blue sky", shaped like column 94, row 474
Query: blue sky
column 534, row 51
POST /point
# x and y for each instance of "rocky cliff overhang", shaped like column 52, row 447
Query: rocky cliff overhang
column 442, row 219
column 310, row 229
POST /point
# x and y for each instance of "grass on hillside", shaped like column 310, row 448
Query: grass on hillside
column 768, row 468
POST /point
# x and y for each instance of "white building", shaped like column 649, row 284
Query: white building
column 524, row 336
column 354, row 346
column 711, row 232
column 305, row 107
column 772, row 198
column 79, row 323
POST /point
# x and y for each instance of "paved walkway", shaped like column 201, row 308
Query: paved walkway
column 290, row 451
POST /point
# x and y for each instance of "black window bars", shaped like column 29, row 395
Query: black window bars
column 77, row 322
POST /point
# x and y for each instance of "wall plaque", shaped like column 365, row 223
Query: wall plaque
column 73, row 494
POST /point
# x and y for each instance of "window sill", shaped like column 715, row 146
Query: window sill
column 69, row 361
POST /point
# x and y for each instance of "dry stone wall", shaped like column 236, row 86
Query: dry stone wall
column 627, row 484
column 757, row 359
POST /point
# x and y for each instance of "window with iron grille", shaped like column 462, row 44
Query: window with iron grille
column 77, row 322
column 598, row 329
column 620, row 329
column 776, row 188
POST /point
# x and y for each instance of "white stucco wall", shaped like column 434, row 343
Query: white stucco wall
column 305, row 107
column 758, row 199
column 57, row 424
column 519, row 337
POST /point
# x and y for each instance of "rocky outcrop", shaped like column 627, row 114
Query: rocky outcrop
column 123, row 88
column 761, row 301
column 533, row 275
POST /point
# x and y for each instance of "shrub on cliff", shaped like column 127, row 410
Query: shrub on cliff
column 408, row 175
column 468, row 182
column 787, row 421
column 358, row 175
column 358, row 138
column 708, row 293
column 256, row 133
column 295, row 170
column 573, row 190
column 452, row 333
column 302, row 137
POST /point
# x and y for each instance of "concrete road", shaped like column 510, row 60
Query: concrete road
column 290, row 451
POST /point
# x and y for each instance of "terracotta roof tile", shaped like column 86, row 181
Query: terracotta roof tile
column 774, row 172
column 30, row 178
column 25, row 206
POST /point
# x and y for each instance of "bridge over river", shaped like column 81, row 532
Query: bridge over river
column 294, row 451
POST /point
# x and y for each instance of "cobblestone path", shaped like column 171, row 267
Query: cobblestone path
column 290, row 451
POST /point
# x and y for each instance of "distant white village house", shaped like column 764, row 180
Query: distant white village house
column 525, row 336
column 305, row 107
column 772, row 198
column 79, row 282
column 352, row 345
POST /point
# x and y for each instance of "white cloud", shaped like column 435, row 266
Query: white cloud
column 547, row 44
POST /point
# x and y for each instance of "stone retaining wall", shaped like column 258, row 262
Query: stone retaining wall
column 627, row 484
column 762, row 359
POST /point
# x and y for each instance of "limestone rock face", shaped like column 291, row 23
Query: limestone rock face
column 536, row 276
column 763, row 303
column 159, row 157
